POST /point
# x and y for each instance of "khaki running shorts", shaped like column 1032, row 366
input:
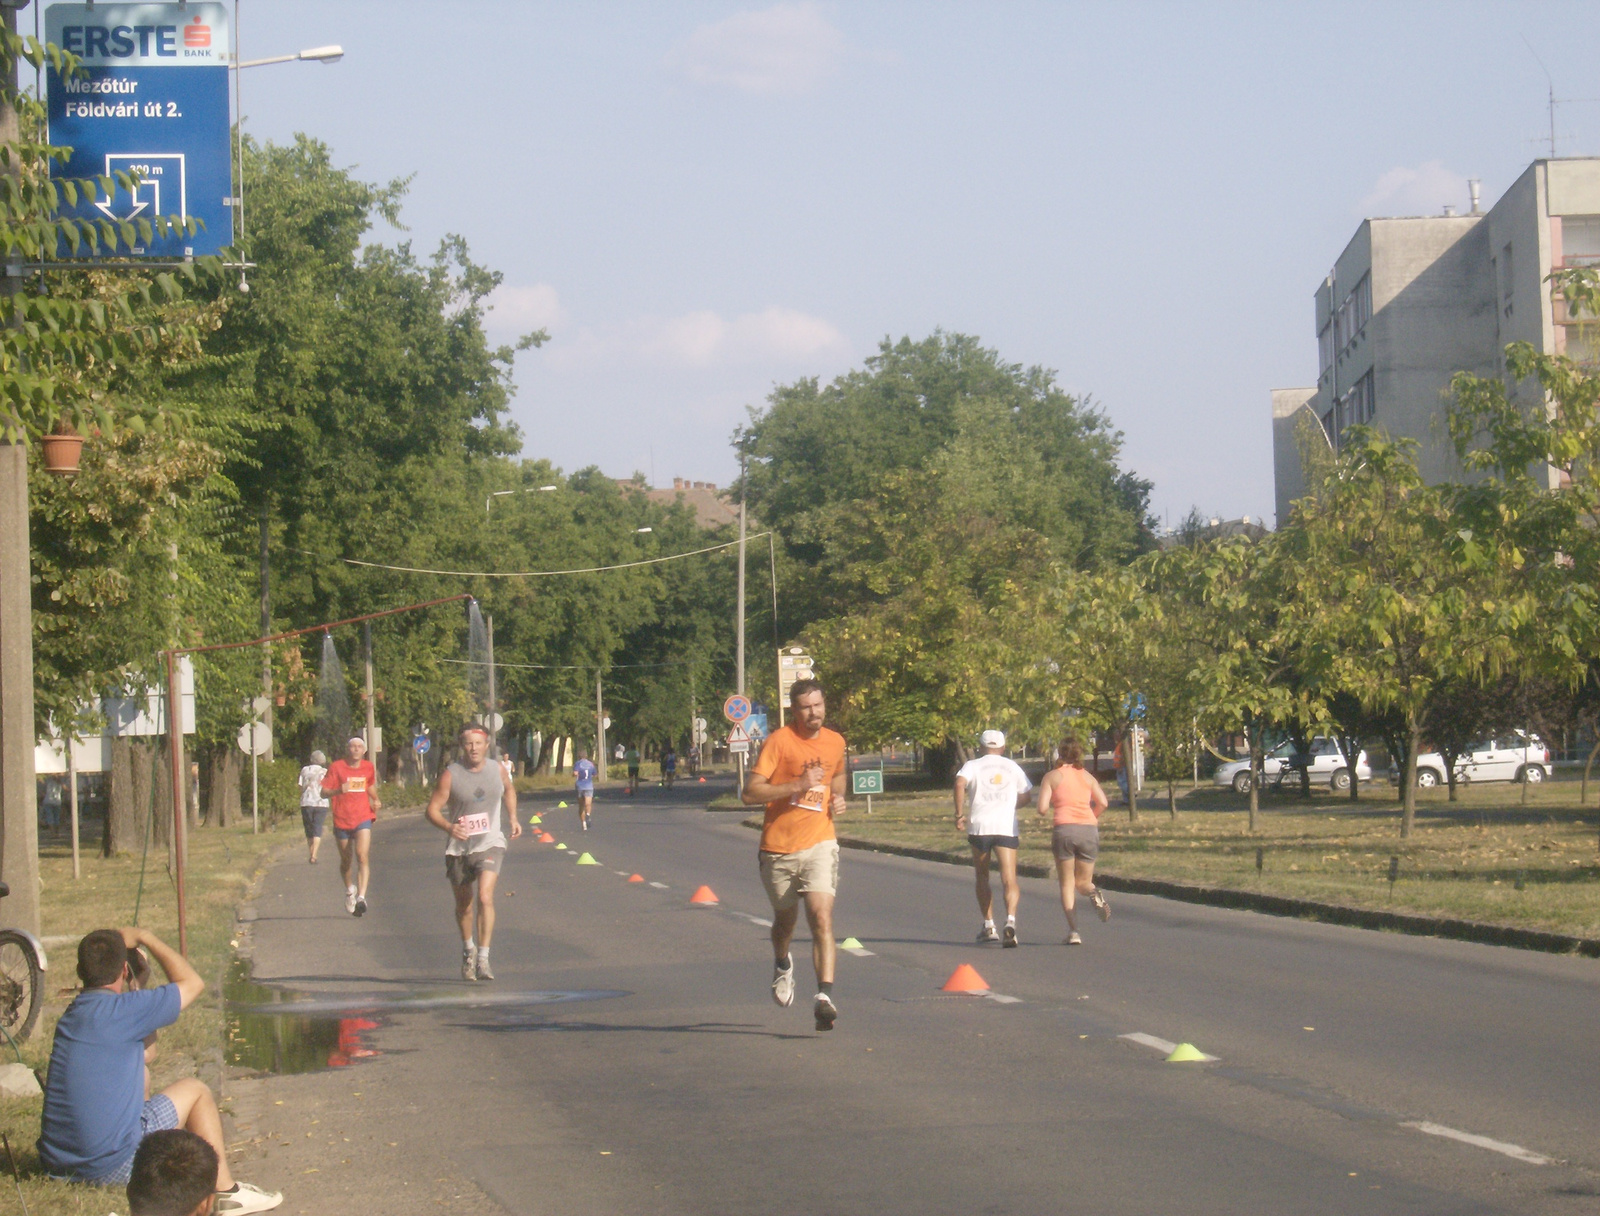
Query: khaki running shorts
column 1075, row 841
column 788, row 876
column 462, row 868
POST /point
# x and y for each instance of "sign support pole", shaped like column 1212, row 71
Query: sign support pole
column 180, row 826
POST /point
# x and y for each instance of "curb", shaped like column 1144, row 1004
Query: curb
column 1481, row 932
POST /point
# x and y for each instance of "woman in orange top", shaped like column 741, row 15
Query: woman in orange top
column 1075, row 802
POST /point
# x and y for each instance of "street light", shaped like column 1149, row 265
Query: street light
column 317, row 54
column 494, row 494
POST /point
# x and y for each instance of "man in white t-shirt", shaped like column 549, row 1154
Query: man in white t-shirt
column 994, row 786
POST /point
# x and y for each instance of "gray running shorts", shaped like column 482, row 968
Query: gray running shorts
column 1080, row 841
column 462, row 868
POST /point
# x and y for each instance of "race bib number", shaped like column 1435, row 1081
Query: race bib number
column 355, row 785
column 476, row 825
column 814, row 799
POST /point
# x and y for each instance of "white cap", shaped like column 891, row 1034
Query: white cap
column 993, row 738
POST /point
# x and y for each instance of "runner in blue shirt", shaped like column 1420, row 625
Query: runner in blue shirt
column 583, row 775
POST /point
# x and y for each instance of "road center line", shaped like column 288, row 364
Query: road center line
column 1494, row 1146
column 659, row 886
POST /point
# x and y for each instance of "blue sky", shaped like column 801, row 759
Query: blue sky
column 700, row 200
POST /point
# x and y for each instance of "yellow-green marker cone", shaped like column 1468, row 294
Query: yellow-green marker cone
column 1187, row 1053
column 851, row 943
column 561, row 846
column 560, row 804
column 587, row 860
column 536, row 819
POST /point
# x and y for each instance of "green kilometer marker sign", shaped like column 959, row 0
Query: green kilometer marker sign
column 866, row 781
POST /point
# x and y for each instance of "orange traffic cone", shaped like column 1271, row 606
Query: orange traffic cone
column 965, row 979
column 546, row 838
column 702, row 781
column 705, row 895
column 635, row 877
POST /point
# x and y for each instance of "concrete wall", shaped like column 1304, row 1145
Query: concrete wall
column 1289, row 406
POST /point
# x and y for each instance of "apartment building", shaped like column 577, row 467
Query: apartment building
column 1411, row 301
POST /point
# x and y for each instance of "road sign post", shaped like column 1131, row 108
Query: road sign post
column 738, row 741
column 152, row 102
column 868, row 781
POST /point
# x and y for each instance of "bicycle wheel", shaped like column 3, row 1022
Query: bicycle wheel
column 21, row 985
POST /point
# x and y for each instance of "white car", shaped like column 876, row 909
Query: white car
column 1514, row 756
column 1327, row 767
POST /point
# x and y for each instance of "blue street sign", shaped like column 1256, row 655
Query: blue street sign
column 756, row 726
column 153, row 102
column 420, row 744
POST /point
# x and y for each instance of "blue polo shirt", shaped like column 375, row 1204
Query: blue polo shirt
column 95, row 1092
column 584, row 772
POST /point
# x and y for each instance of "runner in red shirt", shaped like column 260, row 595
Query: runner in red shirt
column 352, row 786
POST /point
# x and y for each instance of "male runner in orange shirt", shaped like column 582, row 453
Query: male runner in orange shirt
column 800, row 775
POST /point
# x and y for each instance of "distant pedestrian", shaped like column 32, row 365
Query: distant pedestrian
column 800, row 775
column 1074, row 801
column 995, row 786
column 353, row 783
column 669, row 765
column 633, row 769
column 313, row 802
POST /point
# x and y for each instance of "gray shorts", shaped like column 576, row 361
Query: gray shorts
column 788, row 876
column 462, row 868
column 1075, row 840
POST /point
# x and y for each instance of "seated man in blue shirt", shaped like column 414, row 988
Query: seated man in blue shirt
column 95, row 1112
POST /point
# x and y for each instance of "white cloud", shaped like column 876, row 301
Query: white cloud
column 1424, row 190
column 789, row 48
column 522, row 310
column 699, row 339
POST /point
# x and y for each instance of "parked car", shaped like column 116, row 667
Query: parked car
column 1325, row 763
column 1516, row 756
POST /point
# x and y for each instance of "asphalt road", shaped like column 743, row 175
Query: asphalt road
column 665, row 1080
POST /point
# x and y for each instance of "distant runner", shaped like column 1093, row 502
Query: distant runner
column 669, row 765
column 633, row 769
column 353, row 782
column 995, row 786
column 467, row 804
column 583, row 775
column 800, row 775
column 1074, row 801
column 313, row 802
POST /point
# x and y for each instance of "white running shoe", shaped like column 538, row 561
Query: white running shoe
column 350, row 901
column 246, row 1198
column 987, row 933
column 1009, row 940
column 361, row 906
column 825, row 1011
column 783, row 984
column 1073, row 939
column 1100, row 905
column 469, row 965
column 483, row 969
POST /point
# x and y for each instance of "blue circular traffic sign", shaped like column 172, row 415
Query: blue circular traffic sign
column 421, row 744
column 736, row 708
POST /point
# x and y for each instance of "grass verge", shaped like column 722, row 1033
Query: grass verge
column 222, row 863
column 1485, row 857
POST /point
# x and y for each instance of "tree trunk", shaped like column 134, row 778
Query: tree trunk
column 1172, row 800
column 1255, row 777
column 1408, row 782
column 1450, row 772
column 1583, row 796
column 1128, row 769
column 1351, row 748
column 161, row 785
column 221, row 773
column 125, row 806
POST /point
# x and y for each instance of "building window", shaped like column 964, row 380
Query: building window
column 1358, row 407
column 1580, row 240
column 1353, row 315
column 1324, row 351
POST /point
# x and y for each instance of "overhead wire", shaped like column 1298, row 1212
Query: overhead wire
column 648, row 561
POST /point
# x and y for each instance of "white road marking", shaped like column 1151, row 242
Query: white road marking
column 1002, row 999
column 754, row 920
column 1494, row 1146
column 1149, row 1040
column 858, row 951
column 620, row 873
column 660, row 886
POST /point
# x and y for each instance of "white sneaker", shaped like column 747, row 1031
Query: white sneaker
column 469, row 965
column 350, row 901
column 246, row 1198
column 483, row 969
column 361, row 906
column 825, row 1011
column 783, row 984
column 1073, row 939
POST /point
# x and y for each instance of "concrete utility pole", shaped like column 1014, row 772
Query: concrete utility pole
column 266, row 621
column 372, row 720
column 743, row 494
column 489, row 718
column 19, row 814
column 599, row 727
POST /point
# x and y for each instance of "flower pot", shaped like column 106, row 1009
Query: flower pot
column 62, row 453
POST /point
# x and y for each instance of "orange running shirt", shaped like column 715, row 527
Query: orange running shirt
column 806, row 819
column 350, row 810
column 1077, row 797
